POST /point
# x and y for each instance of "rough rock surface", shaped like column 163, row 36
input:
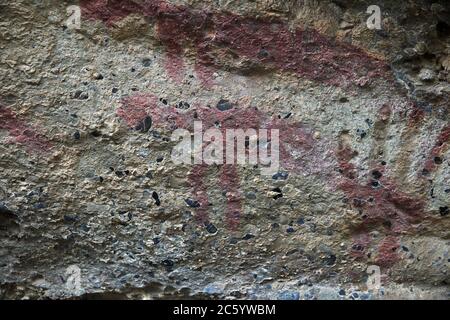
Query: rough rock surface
column 87, row 181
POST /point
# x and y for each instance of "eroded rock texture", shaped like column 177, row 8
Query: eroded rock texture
column 88, row 185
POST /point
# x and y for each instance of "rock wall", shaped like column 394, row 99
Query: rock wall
column 92, row 205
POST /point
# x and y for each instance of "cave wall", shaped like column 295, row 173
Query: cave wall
column 89, row 192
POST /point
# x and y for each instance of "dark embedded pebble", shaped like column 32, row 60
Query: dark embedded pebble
column 39, row 205
column 211, row 228
column 77, row 135
column 443, row 211
column 364, row 296
column 156, row 240
column 183, row 105
column 99, row 77
column 304, row 282
column 263, row 53
column 192, row 203
column 375, row 184
column 376, row 174
column 224, row 105
column 300, row 221
column 343, row 99
column 362, row 133
column 155, row 196
column 115, row 90
column 405, row 249
column 70, row 218
column 120, row 174
column 96, row 133
column 144, row 125
column 383, row 163
column 168, row 264
column 330, row 260
column 248, row 236
column 342, row 292
column 279, row 195
column 159, row 159
column 290, row 230
column 438, row 160
column 280, row 176
column 447, row 190
column 80, row 95
column 146, row 62
column 290, row 252
column 250, row 195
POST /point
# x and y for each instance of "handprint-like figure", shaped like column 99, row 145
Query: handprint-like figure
column 296, row 136
column 225, row 40
column 381, row 203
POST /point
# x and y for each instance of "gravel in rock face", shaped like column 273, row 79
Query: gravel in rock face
column 93, row 203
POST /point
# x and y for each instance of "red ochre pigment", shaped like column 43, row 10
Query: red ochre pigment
column 21, row 132
column 266, row 43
